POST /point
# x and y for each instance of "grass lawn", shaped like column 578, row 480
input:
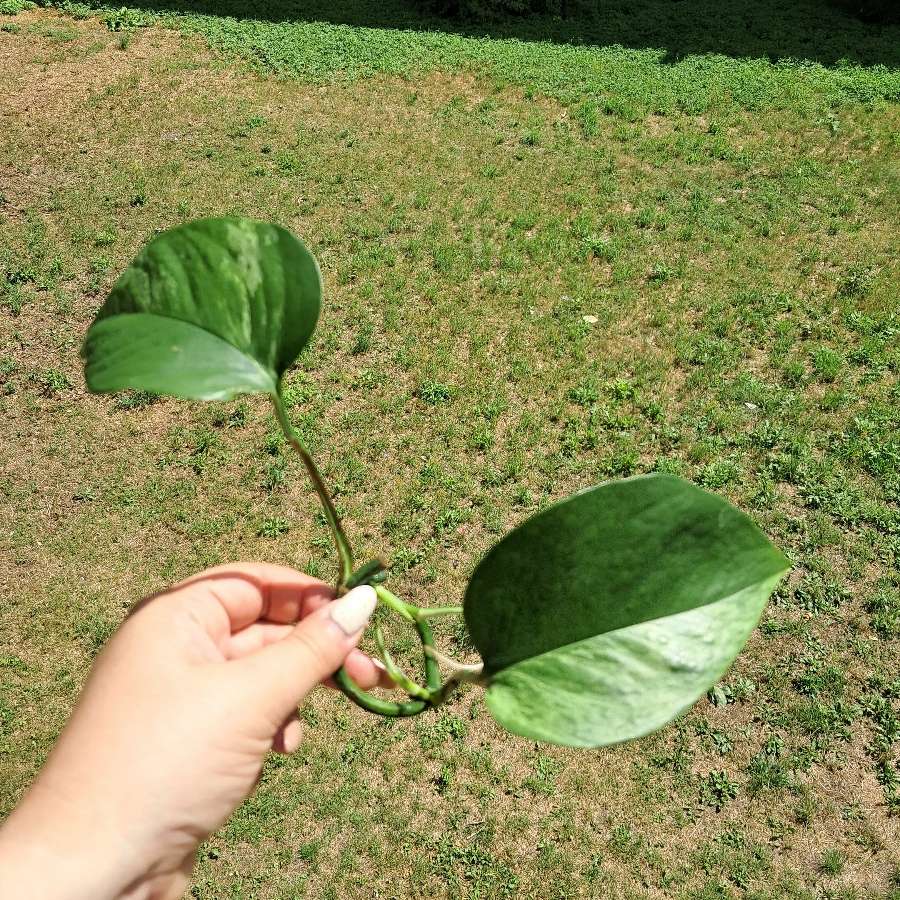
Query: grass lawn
column 546, row 265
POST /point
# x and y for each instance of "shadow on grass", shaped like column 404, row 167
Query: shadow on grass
column 815, row 30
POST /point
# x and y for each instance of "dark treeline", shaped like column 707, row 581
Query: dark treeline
column 485, row 10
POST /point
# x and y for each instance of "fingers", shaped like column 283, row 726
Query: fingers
column 234, row 596
column 253, row 638
column 177, row 883
column 279, row 675
column 289, row 736
column 367, row 672
column 316, row 601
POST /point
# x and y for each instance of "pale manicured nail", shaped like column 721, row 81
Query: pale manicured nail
column 352, row 611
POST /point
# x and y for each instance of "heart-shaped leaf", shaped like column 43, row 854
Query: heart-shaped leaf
column 207, row 310
column 606, row 615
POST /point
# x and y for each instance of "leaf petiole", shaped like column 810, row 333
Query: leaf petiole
column 369, row 702
column 398, row 676
column 434, row 612
column 470, row 673
column 391, row 708
column 345, row 554
column 407, row 610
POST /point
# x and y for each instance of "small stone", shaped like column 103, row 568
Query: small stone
column 591, row 320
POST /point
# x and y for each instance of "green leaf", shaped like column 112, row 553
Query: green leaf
column 207, row 310
column 606, row 615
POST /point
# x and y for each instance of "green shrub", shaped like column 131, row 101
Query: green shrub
column 120, row 20
column 11, row 7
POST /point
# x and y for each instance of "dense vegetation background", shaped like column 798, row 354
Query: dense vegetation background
column 868, row 10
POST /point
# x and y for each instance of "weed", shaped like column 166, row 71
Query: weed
column 434, row 393
column 543, row 779
column 52, row 382
column 722, row 742
column 94, row 632
column 471, row 871
column 767, row 774
column 832, row 862
column 623, row 841
column 585, row 394
column 444, row 728
column 247, row 127
column 856, row 282
column 820, row 680
column 586, row 114
column 805, row 811
column 818, row 594
column 273, row 527
column 884, row 608
column 135, row 399
column 826, row 720
column 717, row 790
column 288, row 163
column 827, row 363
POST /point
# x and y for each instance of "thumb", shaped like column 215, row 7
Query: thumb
column 281, row 675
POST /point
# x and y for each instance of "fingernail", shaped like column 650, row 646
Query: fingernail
column 352, row 611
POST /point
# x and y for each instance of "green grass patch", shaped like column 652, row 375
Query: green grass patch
column 624, row 61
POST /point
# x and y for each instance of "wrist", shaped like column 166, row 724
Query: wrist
column 57, row 847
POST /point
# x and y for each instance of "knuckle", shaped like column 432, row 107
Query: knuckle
column 312, row 647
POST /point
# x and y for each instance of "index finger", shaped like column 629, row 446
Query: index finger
column 252, row 592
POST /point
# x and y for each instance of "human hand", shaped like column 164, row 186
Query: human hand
column 171, row 730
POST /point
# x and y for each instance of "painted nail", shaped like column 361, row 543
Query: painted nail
column 352, row 611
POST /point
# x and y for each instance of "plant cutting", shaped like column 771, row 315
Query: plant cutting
column 597, row 620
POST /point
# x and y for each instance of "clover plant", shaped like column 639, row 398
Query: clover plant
column 597, row 620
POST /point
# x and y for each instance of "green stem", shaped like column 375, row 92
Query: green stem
column 391, row 708
column 435, row 692
column 433, row 612
column 407, row 610
column 373, row 704
column 397, row 675
column 432, row 669
column 460, row 672
column 366, row 574
column 345, row 554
